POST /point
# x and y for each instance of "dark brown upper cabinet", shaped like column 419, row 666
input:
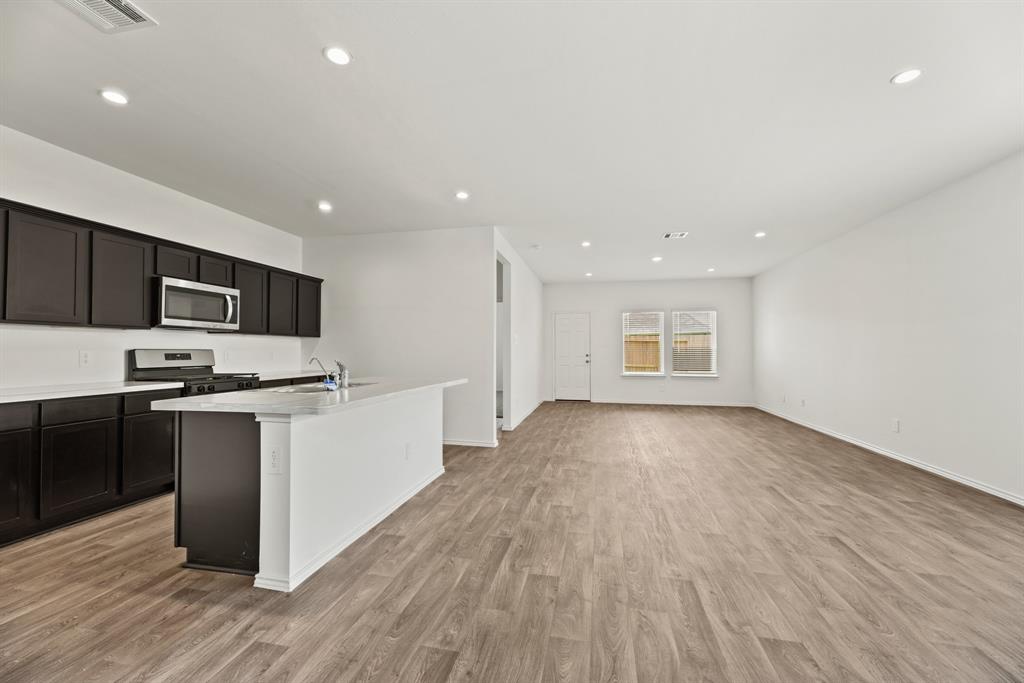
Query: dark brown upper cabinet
column 308, row 308
column 3, row 256
column 281, row 311
column 47, row 271
column 178, row 263
column 252, row 283
column 216, row 271
column 122, row 281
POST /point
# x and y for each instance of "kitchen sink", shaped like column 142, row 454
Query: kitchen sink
column 314, row 388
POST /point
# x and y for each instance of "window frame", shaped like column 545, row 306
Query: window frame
column 714, row 372
column 661, row 345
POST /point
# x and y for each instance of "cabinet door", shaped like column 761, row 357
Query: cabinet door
column 308, row 308
column 281, row 315
column 122, row 281
column 77, row 466
column 15, row 478
column 3, row 257
column 178, row 263
column 148, row 451
column 251, row 283
column 216, row 271
column 47, row 271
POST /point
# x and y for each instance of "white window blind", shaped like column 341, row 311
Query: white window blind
column 643, row 345
column 694, row 343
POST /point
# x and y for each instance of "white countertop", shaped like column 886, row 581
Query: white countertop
column 53, row 391
column 281, row 401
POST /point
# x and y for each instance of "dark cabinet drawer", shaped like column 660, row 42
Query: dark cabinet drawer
column 149, row 443
column 17, row 415
column 15, row 479
column 47, row 271
column 216, row 271
column 139, row 403
column 77, row 466
column 178, row 263
column 79, row 409
column 122, row 281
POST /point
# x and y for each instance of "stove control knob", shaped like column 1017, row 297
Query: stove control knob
column 249, row 385
column 241, row 385
column 200, row 389
column 210, row 387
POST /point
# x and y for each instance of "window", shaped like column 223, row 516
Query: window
column 694, row 343
column 643, row 343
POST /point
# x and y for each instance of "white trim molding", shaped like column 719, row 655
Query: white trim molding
column 939, row 471
column 707, row 404
column 476, row 444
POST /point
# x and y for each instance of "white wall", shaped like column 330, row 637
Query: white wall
column 38, row 173
column 917, row 315
column 526, row 320
column 606, row 301
column 416, row 303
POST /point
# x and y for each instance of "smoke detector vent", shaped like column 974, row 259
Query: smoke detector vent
column 675, row 235
column 110, row 16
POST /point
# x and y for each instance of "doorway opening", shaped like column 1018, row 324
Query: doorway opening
column 503, row 344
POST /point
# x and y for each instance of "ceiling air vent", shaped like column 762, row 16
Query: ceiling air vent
column 110, row 16
column 675, row 235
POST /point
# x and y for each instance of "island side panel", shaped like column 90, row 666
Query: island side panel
column 347, row 471
column 218, row 491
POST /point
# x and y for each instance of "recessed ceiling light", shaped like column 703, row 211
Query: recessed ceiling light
column 711, row 270
column 905, row 77
column 324, row 206
column 337, row 55
column 588, row 275
column 584, row 244
column 760, row 234
column 462, row 195
column 655, row 258
column 114, row 96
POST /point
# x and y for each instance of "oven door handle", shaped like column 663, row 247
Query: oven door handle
column 231, row 308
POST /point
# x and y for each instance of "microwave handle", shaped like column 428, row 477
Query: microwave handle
column 231, row 308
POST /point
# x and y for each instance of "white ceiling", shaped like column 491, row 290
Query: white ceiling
column 606, row 121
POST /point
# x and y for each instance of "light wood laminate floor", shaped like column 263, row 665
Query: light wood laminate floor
column 597, row 543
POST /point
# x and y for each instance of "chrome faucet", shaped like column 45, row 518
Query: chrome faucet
column 329, row 375
column 342, row 374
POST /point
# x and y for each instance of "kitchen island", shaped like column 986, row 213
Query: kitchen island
column 276, row 482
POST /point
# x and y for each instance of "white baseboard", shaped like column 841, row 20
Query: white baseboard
column 477, row 444
column 325, row 556
column 710, row 404
column 942, row 472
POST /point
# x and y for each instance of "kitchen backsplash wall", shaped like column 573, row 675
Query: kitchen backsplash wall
column 39, row 173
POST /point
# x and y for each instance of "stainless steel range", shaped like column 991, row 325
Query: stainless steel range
column 194, row 367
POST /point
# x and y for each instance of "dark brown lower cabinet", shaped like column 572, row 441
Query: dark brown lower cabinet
column 15, row 479
column 77, row 466
column 148, row 451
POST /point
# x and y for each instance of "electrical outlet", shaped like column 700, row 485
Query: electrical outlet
column 84, row 358
column 275, row 461
column 408, row 448
column 783, row 398
column 803, row 402
column 896, row 425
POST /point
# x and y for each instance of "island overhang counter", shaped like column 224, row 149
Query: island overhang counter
column 276, row 482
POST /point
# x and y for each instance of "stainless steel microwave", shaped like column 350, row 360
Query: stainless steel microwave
column 183, row 303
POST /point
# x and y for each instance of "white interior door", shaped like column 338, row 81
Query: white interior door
column 572, row 356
